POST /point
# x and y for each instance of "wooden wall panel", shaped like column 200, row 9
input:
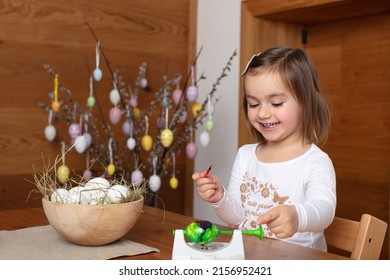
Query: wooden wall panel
column 351, row 49
column 56, row 32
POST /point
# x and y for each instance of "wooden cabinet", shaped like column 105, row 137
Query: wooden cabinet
column 349, row 42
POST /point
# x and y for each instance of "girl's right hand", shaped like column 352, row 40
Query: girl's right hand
column 209, row 188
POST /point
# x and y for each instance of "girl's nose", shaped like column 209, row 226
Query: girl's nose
column 263, row 112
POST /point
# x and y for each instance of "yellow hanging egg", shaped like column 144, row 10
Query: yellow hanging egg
column 111, row 169
column 166, row 137
column 146, row 142
column 173, row 182
column 55, row 105
column 136, row 112
column 196, row 107
column 63, row 173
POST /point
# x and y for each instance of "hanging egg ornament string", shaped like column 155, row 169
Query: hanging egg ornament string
column 173, row 182
column 55, row 105
column 97, row 73
column 111, row 166
column 63, row 170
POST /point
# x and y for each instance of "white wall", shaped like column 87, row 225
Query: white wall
column 218, row 31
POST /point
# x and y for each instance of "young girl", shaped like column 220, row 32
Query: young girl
column 284, row 182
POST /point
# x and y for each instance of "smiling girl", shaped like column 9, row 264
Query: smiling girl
column 285, row 182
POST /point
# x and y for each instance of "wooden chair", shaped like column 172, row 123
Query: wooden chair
column 362, row 239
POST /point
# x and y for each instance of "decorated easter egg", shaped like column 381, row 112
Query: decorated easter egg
column 176, row 95
column 110, row 169
column 97, row 74
column 80, row 144
column 143, row 82
column 192, row 93
column 166, row 137
column 191, row 150
column 137, row 177
column 91, row 101
column 201, row 232
column 114, row 97
column 154, row 183
column 87, row 175
column 173, row 182
column 146, row 142
column 55, row 105
column 127, row 128
column 63, row 173
column 118, row 193
column 204, row 139
column 50, row 132
column 133, row 102
column 59, row 195
column 115, row 115
column 183, row 116
column 209, row 124
column 74, row 130
column 196, row 107
column 131, row 143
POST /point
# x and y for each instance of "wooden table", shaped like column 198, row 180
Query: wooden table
column 154, row 228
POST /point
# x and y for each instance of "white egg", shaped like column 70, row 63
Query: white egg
column 131, row 143
column 78, row 195
column 114, row 97
column 97, row 188
column 59, row 195
column 80, row 144
column 204, row 139
column 50, row 133
column 154, row 183
column 118, row 193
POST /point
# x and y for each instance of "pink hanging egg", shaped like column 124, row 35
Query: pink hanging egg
column 87, row 175
column 137, row 177
column 191, row 150
column 192, row 93
column 115, row 115
column 133, row 102
column 176, row 95
column 74, row 130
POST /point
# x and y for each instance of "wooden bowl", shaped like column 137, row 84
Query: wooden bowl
column 92, row 225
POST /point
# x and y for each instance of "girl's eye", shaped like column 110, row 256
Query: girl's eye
column 277, row 104
column 252, row 105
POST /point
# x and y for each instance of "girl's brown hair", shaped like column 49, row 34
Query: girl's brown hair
column 299, row 74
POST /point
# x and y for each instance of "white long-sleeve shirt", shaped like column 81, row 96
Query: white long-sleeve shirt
column 308, row 182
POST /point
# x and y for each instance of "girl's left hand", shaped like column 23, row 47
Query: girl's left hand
column 281, row 220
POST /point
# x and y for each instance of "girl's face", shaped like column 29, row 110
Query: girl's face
column 272, row 108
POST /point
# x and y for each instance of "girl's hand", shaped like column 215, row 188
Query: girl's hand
column 208, row 188
column 281, row 220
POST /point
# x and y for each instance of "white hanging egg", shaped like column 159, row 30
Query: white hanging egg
column 204, row 139
column 137, row 177
column 131, row 143
column 59, row 195
column 97, row 74
column 118, row 193
column 50, row 132
column 80, row 144
column 143, row 82
column 114, row 97
column 154, row 183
